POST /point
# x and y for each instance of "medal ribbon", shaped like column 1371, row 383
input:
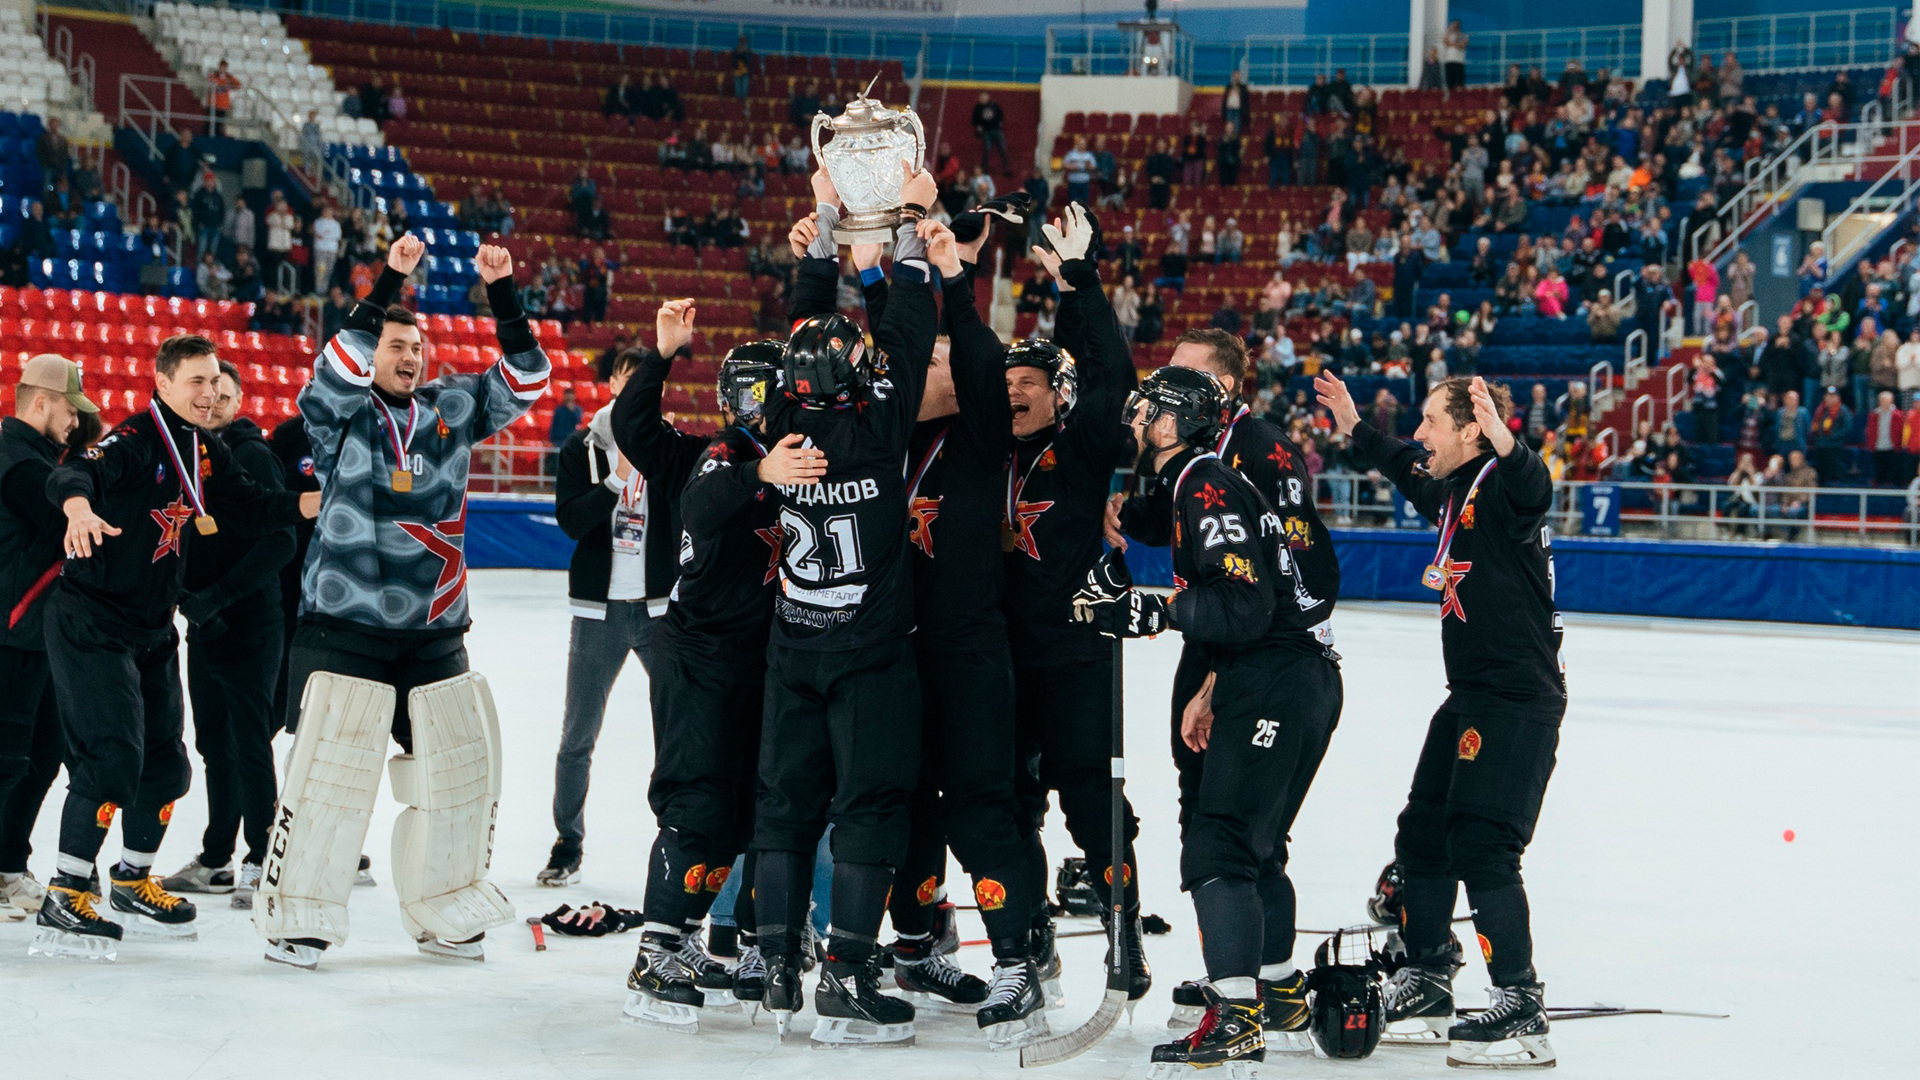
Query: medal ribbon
column 1182, row 478
column 189, row 477
column 1013, row 490
column 1220, row 448
column 401, row 446
column 1450, row 521
column 926, row 463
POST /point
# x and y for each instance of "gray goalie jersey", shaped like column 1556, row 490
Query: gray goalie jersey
column 390, row 553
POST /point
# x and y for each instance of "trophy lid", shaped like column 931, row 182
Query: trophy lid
column 865, row 113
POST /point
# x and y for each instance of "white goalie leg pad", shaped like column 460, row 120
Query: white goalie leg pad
column 443, row 842
column 326, row 801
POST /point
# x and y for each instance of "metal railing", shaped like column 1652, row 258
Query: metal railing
column 1845, row 246
column 1294, row 59
column 1490, row 53
column 80, row 67
column 1634, row 358
column 1600, row 386
column 1752, row 513
column 1678, row 389
column 1824, row 152
column 506, row 465
column 1081, row 49
column 1810, row 41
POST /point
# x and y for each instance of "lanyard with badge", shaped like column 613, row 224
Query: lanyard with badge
column 189, row 477
column 630, row 516
column 1438, row 571
column 402, row 478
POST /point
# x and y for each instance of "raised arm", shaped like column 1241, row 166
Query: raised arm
column 343, row 369
column 661, row 452
column 977, row 359
column 520, row 378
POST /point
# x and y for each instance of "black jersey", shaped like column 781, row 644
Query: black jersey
column 956, row 481
column 1237, row 586
column 1499, row 629
column 133, row 481
column 730, row 542
column 1056, row 489
column 295, row 453
column 844, row 573
column 1260, row 451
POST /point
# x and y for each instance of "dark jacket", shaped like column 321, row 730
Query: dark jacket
column 226, row 570
column 31, row 531
column 586, row 491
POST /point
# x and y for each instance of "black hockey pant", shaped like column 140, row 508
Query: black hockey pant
column 230, row 680
column 31, row 746
column 1064, row 738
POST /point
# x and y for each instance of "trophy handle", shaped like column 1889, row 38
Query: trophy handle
column 820, row 120
column 919, row 140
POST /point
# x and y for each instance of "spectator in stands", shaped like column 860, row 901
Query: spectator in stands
column 1453, row 54
column 1813, row 268
column 36, row 233
column 1835, row 361
column 475, row 214
column 247, row 285
column 325, row 235
column 1193, row 155
column 222, row 82
column 1311, row 148
column 1907, row 366
column 1832, row 422
column 243, row 228
column 1797, row 474
column 274, row 314
column 1910, row 439
column 350, row 104
column 1227, row 155
column 1126, row 307
column 1230, row 243
column 281, row 223
column 1540, row 416
column 1035, row 289
column 742, row 61
column 1885, row 438
column 681, row 228
column 1226, row 317
column 533, row 297
column 1362, row 297
column 1153, row 317
column 667, row 101
column 796, row 160
column 212, row 279
column 1790, row 425
column 1279, row 146
column 1208, row 248
column 1161, row 169
column 182, row 163
column 53, row 151
column 802, row 102
column 63, row 205
column 622, row 100
column 396, row 102
column 566, row 418
column 333, row 313
column 1550, row 296
column 989, row 126
column 179, row 229
column 1079, row 165
column 1704, row 390
column 1044, row 320
column 373, row 100
column 1603, row 319
column 596, row 223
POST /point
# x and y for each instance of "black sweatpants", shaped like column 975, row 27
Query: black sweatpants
column 121, row 709
column 706, row 738
column 1064, row 740
column 230, row 680
column 965, row 799
column 399, row 661
column 31, row 747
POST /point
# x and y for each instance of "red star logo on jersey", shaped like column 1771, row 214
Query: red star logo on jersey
column 773, row 537
column 451, row 585
column 1022, row 529
column 1211, row 497
column 171, row 519
column 1450, row 604
column 1281, row 459
column 920, row 523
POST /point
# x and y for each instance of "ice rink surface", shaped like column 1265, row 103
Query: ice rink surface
column 1659, row 877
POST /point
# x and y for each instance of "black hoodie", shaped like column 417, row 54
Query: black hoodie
column 31, row 531
column 239, row 569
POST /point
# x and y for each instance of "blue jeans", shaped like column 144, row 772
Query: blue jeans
column 741, row 86
column 722, row 911
column 595, row 655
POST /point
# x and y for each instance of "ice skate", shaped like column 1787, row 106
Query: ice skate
column 1046, row 961
column 1015, row 1011
column 151, row 911
column 710, row 975
column 1139, row 974
column 9, row 913
column 853, row 1011
column 1228, row 1038
column 70, row 927
column 784, row 995
column 749, row 976
column 197, row 877
column 302, row 953
column 946, row 929
column 563, row 866
column 470, row 949
column 245, row 886
column 22, row 891
column 1189, row 1005
column 1419, row 1004
column 1284, row 1016
column 933, row 981
column 660, row 988
column 363, row 877
column 1511, row 1034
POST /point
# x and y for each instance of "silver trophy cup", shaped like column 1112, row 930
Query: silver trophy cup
column 868, row 158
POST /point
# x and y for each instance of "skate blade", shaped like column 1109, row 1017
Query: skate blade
column 931, row 1002
column 363, row 880
column 173, row 886
column 1417, row 1031
column 1055, row 995
column 557, row 881
column 782, row 1021
column 67, row 945
column 243, row 901
column 720, row 1000
column 453, row 950
column 1015, row 1034
column 840, row 1032
column 1289, row 1042
column 1523, row 1052
column 1226, row 1070
column 137, row 927
column 1186, row 1017
column 9, row 913
column 304, row 957
column 669, row 1015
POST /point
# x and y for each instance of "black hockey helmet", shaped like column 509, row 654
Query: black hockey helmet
column 826, row 361
column 1063, row 373
column 1384, row 907
column 747, row 375
column 1346, row 1010
column 1195, row 398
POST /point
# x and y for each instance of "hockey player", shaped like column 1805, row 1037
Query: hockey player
column 709, row 677
column 380, row 648
column 232, row 607
column 1490, row 748
column 47, row 406
column 841, row 739
column 1277, row 468
column 617, row 581
column 134, row 504
column 1067, row 440
column 295, row 453
column 1273, row 692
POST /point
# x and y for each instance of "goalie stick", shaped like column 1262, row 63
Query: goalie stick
column 1065, row 1046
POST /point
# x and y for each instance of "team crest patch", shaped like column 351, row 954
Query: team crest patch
column 103, row 816
column 306, row 465
column 989, row 894
column 1126, row 875
column 1486, row 948
column 1211, row 497
column 1238, row 566
column 166, row 814
column 717, row 878
column 1469, row 744
column 1299, row 537
column 927, row 891
column 1047, row 461
column 1466, row 517
column 695, row 878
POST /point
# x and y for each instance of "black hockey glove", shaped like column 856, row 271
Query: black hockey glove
column 1132, row 614
column 1108, row 578
column 593, row 920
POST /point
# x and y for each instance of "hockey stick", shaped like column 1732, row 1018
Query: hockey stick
column 1058, row 1048
column 1590, row 1012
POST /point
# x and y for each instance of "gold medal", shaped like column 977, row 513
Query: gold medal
column 1009, row 540
column 206, row 525
column 1434, row 578
column 402, row 481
